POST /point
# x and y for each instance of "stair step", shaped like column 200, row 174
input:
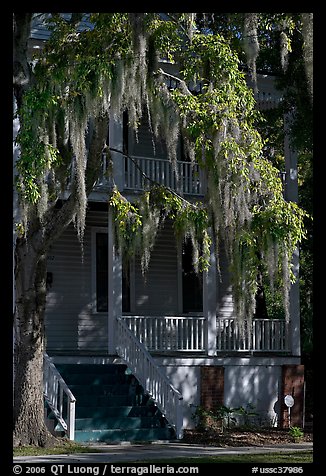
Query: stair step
column 118, row 411
column 94, row 378
column 113, row 369
column 98, row 389
column 103, row 412
column 93, row 374
column 116, row 435
column 104, row 400
column 125, row 422
column 111, row 405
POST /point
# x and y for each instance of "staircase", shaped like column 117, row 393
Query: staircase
column 111, row 405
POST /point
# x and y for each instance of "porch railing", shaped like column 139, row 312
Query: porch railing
column 185, row 179
column 154, row 381
column 259, row 335
column 167, row 333
column 59, row 397
column 187, row 334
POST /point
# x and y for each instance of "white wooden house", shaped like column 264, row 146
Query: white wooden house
column 175, row 331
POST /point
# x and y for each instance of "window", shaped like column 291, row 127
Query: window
column 126, row 288
column 101, row 272
column 192, row 283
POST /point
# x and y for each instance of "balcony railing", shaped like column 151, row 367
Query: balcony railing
column 259, row 335
column 184, row 178
column 139, row 172
column 167, row 334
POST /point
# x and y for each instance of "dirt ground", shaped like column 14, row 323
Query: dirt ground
column 239, row 437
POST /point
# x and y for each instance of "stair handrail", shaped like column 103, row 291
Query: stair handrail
column 54, row 389
column 153, row 380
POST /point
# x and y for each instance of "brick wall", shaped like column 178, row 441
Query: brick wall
column 292, row 384
column 211, row 386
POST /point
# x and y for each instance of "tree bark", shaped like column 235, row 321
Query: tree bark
column 21, row 68
column 30, row 274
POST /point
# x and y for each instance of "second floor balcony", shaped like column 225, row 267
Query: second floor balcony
column 185, row 177
column 139, row 172
column 147, row 162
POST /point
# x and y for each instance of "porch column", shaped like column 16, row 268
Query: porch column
column 291, row 194
column 209, row 304
column 116, row 141
column 114, row 286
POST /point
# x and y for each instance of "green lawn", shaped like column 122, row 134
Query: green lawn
column 75, row 448
column 286, row 458
column 64, row 448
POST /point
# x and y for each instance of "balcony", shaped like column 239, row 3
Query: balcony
column 185, row 178
column 139, row 172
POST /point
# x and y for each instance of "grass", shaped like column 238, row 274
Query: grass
column 64, row 448
column 69, row 447
column 286, row 458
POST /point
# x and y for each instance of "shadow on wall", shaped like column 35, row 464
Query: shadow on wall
column 186, row 379
column 255, row 387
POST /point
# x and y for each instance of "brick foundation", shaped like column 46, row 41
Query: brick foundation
column 211, row 387
column 292, row 384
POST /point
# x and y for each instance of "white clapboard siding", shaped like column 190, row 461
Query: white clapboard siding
column 157, row 293
column 70, row 323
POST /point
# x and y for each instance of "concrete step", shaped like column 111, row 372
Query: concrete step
column 92, row 378
column 118, row 435
column 111, row 405
column 113, row 369
column 126, row 422
column 118, row 411
column 99, row 389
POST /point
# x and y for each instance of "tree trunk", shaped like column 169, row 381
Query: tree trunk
column 21, row 67
column 30, row 275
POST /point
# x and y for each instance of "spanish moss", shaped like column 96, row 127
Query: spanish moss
column 77, row 137
column 284, row 50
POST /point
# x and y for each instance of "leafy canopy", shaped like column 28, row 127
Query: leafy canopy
column 114, row 66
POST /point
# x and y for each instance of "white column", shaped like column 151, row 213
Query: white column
column 295, row 335
column 291, row 194
column 114, row 264
column 114, row 286
column 210, row 304
column 116, row 141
